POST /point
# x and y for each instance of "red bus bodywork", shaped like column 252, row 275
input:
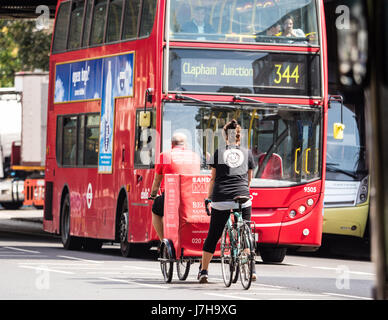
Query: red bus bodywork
column 271, row 206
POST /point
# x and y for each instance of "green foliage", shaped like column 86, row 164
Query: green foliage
column 22, row 48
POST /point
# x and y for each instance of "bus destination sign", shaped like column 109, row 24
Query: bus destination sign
column 244, row 72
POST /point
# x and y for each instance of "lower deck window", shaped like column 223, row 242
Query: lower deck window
column 77, row 140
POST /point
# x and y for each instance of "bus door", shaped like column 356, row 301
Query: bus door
column 142, row 178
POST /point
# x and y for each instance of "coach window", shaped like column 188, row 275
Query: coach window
column 61, row 27
column 131, row 14
column 147, row 17
column 91, row 139
column 69, row 141
column 75, row 30
column 145, row 142
column 87, row 23
column 98, row 22
column 114, row 20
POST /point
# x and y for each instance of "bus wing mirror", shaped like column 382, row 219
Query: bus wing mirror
column 338, row 131
column 338, row 127
column 145, row 119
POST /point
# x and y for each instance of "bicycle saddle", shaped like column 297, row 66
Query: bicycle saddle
column 241, row 199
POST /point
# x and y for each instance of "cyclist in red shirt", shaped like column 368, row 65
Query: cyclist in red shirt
column 178, row 160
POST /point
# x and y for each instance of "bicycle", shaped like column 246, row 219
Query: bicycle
column 237, row 248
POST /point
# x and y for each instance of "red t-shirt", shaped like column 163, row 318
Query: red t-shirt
column 178, row 160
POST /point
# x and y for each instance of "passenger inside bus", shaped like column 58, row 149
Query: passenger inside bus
column 288, row 29
column 273, row 30
column 198, row 24
column 91, row 148
column 270, row 33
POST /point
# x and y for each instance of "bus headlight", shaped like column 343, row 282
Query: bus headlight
column 310, row 202
column 363, row 191
column 302, row 209
column 292, row 214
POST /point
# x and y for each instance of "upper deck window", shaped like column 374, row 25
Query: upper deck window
column 131, row 15
column 98, row 23
column 87, row 22
column 147, row 17
column 114, row 20
column 61, row 27
column 76, row 24
column 245, row 21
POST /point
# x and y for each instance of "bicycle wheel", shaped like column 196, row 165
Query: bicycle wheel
column 166, row 263
column 246, row 257
column 236, row 273
column 183, row 268
column 227, row 260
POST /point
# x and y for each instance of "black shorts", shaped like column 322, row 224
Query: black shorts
column 158, row 205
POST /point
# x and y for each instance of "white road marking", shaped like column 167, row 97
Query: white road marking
column 46, row 269
column 22, row 250
column 143, row 275
column 75, row 264
column 351, row 272
column 135, row 283
column 347, row 296
column 23, row 256
column 142, row 268
column 80, row 259
column 270, row 286
column 227, row 296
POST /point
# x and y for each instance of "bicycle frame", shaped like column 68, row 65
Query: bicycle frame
column 234, row 240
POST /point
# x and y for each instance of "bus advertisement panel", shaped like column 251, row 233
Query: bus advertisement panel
column 106, row 79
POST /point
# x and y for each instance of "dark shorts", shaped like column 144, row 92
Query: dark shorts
column 158, row 206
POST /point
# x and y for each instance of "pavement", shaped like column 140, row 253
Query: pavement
column 24, row 214
column 25, row 221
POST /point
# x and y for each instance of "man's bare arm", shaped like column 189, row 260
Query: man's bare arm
column 156, row 184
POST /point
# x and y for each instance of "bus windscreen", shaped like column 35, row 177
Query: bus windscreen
column 285, row 142
column 245, row 72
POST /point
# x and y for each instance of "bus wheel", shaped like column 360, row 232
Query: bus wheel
column 273, row 255
column 69, row 242
column 125, row 246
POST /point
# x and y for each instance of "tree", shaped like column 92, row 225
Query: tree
column 22, row 48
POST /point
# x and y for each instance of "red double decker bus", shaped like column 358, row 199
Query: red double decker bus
column 126, row 74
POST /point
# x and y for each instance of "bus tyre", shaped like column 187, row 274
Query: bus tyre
column 125, row 246
column 273, row 255
column 69, row 242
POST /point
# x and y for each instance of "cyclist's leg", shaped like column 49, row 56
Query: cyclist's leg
column 218, row 220
column 246, row 213
column 157, row 216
